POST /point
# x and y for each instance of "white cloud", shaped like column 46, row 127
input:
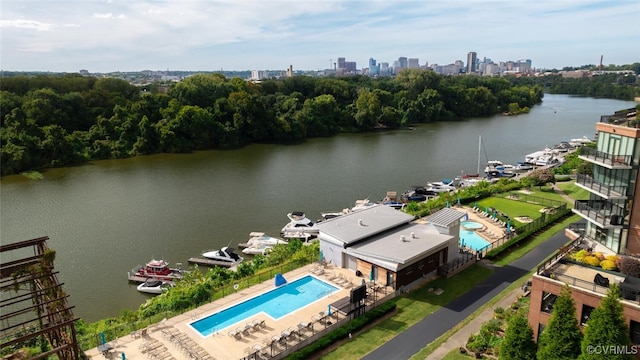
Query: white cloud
column 25, row 24
column 253, row 34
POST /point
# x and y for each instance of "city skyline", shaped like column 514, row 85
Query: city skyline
column 111, row 35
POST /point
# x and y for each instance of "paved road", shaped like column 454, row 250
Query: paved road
column 433, row 326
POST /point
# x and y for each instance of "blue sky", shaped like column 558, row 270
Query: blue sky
column 132, row 35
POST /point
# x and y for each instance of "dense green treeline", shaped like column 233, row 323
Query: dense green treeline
column 50, row 121
column 611, row 86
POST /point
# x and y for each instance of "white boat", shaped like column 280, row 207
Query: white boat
column 256, row 249
column 225, row 254
column 581, row 141
column 260, row 238
column 545, row 159
column 299, row 227
column 260, row 243
column 362, row 204
column 440, row 187
column 153, row 286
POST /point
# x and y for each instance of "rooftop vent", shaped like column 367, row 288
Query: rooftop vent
column 360, row 222
column 402, row 238
column 413, row 235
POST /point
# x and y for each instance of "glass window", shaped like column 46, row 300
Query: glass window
column 586, row 313
column 634, row 327
column 548, row 299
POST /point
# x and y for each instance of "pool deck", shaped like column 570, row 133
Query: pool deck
column 159, row 340
column 490, row 231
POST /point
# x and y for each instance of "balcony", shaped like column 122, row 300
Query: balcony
column 602, row 213
column 610, row 161
column 627, row 118
column 561, row 269
column 603, row 190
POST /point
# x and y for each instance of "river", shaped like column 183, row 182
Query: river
column 105, row 217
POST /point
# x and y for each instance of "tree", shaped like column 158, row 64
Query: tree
column 541, row 177
column 518, row 341
column 606, row 329
column 561, row 337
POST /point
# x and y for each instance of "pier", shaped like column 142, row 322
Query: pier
column 209, row 262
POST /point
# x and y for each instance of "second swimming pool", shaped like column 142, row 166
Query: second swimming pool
column 276, row 303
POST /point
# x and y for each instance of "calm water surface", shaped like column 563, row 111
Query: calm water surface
column 108, row 216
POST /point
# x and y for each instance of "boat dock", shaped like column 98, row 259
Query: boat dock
column 135, row 278
column 209, row 262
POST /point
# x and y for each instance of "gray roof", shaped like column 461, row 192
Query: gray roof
column 445, row 217
column 358, row 225
column 398, row 249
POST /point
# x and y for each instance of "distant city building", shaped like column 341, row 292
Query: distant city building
column 341, row 63
column 374, row 70
column 471, row 62
column 413, row 63
column 384, row 68
column 290, row 71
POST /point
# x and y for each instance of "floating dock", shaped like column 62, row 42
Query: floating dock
column 209, row 262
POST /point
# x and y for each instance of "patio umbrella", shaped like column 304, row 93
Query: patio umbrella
column 102, row 339
column 123, row 357
column 321, row 255
column 328, row 310
column 363, row 282
column 371, row 275
column 447, row 203
column 458, row 200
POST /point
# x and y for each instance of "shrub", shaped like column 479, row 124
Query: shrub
column 591, row 260
column 608, row 265
column 499, row 313
column 580, row 255
column 629, row 266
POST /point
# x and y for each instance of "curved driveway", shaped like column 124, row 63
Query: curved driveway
column 433, row 326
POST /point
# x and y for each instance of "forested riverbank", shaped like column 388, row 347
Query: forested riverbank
column 52, row 121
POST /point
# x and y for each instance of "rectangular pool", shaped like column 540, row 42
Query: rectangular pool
column 276, row 303
column 471, row 239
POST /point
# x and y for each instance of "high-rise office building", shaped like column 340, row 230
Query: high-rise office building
column 413, row 63
column 341, row 63
column 374, row 70
column 471, row 62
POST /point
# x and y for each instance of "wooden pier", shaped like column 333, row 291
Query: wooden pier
column 209, row 262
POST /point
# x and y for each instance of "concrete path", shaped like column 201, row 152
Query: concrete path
column 433, row 326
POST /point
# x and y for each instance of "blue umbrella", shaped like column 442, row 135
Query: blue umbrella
column 371, row 275
column 458, row 200
column 321, row 255
column 102, row 339
column 123, row 357
column 447, row 203
column 329, row 310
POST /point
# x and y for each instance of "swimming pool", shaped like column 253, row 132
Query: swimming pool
column 275, row 303
column 470, row 225
column 470, row 239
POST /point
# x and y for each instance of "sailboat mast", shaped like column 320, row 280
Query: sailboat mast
column 479, row 147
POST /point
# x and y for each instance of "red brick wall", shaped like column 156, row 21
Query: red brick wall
column 581, row 297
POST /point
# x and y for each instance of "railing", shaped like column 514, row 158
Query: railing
column 579, row 227
column 448, row 269
column 602, row 212
column 542, row 269
column 606, row 158
column 609, row 191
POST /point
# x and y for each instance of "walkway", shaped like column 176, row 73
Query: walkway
column 433, row 326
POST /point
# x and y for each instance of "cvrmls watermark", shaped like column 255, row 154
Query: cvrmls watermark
column 613, row 349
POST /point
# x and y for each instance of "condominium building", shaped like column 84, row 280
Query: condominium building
column 611, row 226
column 472, row 58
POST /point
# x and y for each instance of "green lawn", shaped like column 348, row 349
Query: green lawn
column 411, row 308
column 512, row 208
column 575, row 192
column 455, row 355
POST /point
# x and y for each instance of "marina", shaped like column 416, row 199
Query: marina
column 172, row 206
